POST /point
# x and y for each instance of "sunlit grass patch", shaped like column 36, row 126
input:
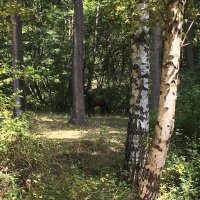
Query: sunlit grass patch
column 62, row 162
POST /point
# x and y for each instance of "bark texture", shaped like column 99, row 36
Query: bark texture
column 138, row 125
column 17, row 57
column 78, row 115
column 150, row 180
column 156, row 62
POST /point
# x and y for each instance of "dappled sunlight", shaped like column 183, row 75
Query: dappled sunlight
column 65, row 134
column 112, row 123
column 56, row 127
column 92, row 157
column 87, row 160
column 91, row 148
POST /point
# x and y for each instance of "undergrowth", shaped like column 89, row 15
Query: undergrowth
column 181, row 180
column 33, row 167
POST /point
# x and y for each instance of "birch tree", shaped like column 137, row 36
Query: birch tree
column 150, row 180
column 138, row 125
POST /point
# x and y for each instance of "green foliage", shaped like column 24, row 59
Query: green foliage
column 188, row 106
column 20, row 155
column 181, row 174
column 32, row 167
column 117, row 98
column 9, row 188
column 47, row 39
column 74, row 185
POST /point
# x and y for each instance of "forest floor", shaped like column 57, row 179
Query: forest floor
column 90, row 158
column 49, row 159
column 55, row 126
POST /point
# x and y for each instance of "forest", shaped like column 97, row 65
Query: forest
column 99, row 99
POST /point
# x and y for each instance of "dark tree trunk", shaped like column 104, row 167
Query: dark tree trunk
column 91, row 66
column 17, row 56
column 189, row 49
column 78, row 115
column 156, row 62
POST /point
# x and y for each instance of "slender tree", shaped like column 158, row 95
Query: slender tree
column 150, row 179
column 78, row 115
column 189, row 49
column 91, row 66
column 17, row 57
column 138, row 126
column 156, row 62
column 190, row 28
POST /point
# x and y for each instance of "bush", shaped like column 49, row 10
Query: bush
column 32, row 167
column 188, row 106
column 20, row 155
column 181, row 175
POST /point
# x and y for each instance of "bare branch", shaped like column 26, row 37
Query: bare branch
column 189, row 28
column 183, row 45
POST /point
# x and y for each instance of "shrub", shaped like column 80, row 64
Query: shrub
column 181, row 175
column 20, row 155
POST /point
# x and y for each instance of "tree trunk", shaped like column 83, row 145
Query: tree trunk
column 78, row 115
column 138, row 126
column 156, row 62
column 150, row 179
column 189, row 49
column 91, row 66
column 39, row 94
column 17, row 57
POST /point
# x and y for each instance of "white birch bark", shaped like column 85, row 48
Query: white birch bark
column 138, row 126
column 149, row 185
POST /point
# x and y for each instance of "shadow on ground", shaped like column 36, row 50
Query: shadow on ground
column 87, row 163
column 92, row 157
column 60, row 122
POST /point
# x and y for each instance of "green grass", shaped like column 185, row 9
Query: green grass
column 61, row 162
column 57, row 161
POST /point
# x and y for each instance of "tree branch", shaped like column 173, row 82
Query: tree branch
column 189, row 28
